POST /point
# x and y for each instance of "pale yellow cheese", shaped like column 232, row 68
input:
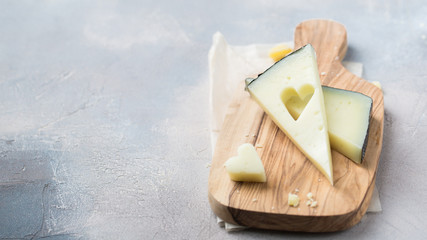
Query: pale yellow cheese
column 348, row 116
column 295, row 77
column 313, row 204
column 246, row 166
column 347, row 113
column 279, row 51
column 377, row 84
column 293, row 200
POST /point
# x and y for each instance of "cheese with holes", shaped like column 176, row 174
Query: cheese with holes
column 348, row 115
column 290, row 81
column 246, row 166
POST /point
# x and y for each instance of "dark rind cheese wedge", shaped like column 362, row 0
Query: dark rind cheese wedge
column 348, row 115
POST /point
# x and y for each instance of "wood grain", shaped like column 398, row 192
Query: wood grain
column 264, row 205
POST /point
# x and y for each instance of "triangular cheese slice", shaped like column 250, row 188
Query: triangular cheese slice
column 293, row 80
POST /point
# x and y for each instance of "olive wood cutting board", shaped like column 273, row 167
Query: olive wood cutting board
column 265, row 205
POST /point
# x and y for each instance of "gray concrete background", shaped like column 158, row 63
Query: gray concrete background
column 104, row 117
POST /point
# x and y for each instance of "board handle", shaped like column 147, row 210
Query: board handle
column 329, row 39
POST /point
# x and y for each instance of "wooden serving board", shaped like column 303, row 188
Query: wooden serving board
column 265, row 205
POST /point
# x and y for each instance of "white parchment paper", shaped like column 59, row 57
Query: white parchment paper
column 228, row 65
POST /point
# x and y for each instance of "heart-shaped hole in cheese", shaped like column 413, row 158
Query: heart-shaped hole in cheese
column 295, row 102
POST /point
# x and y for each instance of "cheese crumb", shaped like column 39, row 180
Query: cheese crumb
column 293, row 200
column 258, row 146
column 313, row 204
column 377, row 84
column 296, row 190
column 323, row 73
column 247, row 135
column 311, row 201
column 254, row 200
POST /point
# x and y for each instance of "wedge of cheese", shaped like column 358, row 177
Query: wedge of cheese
column 246, row 166
column 292, row 79
column 348, row 115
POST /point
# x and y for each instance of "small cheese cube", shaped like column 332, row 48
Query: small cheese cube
column 293, row 200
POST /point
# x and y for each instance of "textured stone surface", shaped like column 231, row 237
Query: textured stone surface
column 104, row 117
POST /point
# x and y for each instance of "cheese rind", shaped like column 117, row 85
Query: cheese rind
column 296, row 76
column 348, row 115
column 246, row 166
